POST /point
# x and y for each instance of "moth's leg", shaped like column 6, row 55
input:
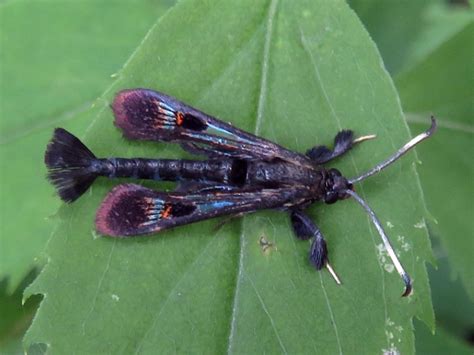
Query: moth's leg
column 304, row 229
column 343, row 141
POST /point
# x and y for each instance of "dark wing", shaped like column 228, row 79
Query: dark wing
column 149, row 115
column 131, row 210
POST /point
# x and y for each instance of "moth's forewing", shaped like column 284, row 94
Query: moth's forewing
column 131, row 210
column 149, row 115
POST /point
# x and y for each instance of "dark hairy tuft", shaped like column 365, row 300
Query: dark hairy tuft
column 68, row 161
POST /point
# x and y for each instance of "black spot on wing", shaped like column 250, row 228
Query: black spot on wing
column 181, row 209
column 193, row 123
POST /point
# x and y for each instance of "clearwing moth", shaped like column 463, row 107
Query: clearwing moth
column 242, row 173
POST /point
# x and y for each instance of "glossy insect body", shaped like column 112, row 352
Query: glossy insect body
column 243, row 173
column 233, row 173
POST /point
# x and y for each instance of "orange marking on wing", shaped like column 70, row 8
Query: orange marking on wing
column 167, row 211
column 179, row 118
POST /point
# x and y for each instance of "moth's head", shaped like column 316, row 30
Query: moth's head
column 336, row 186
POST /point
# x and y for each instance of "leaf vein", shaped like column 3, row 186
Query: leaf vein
column 361, row 188
column 264, row 307
column 260, row 111
column 134, row 53
column 101, row 280
column 331, row 314
column 46, row 123
column 266, row 59
column 171, row 292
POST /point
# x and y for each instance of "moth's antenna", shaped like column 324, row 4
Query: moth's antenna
column 404, row 275
column 421, row 137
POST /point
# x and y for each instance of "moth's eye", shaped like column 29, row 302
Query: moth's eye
column 329, row 183
column 331, row 197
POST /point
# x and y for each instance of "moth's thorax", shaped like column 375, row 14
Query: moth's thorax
column 275, row 174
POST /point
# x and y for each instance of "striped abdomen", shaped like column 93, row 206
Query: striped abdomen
column 222, row 170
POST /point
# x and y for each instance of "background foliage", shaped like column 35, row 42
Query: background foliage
column 57, row 58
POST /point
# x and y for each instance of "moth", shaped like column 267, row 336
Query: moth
column 241, row 173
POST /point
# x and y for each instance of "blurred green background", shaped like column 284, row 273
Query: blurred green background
column 62, row 49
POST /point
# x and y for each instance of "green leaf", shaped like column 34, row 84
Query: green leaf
column 433, row 72
column 435, row 76
column 56, row 59
column 454, row 309
column 447, row 173
column 407, row 32
column 439, row 343
column 295, row 73
column 16, row 316
column 454, row 313
column 443, row 84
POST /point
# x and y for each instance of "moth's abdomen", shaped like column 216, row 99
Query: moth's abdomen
column 220, row 171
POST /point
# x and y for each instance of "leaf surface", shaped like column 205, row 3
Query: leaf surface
column 440, row 343
column 295, row 73
column 442, row 84
column 407, row 33
column 433, row 72
column 56, row 59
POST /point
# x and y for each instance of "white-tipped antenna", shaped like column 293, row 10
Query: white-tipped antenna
column 333, row 273
column 421, row 137
column 386, row 242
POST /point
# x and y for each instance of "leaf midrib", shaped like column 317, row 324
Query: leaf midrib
column 260, row 114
